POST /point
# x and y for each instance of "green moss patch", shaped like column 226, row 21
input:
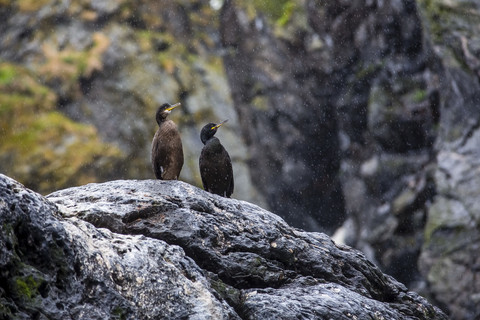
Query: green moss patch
column 27, row 287
column 41, row 147
column 7, row 74
column 278, row 12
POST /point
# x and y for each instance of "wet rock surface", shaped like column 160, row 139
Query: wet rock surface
column 175, row 251
column 56, row 268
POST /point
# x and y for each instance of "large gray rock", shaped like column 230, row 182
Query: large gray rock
column 56, row 268
column 195, row 256
column 237, row 256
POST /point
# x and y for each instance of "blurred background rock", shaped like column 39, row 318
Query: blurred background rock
column 80, row 83
column 359, row 118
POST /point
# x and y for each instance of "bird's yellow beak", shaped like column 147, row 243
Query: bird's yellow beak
column 173, row 106
column 219, row 125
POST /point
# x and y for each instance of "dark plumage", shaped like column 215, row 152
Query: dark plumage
column 215, row 164
column 167, row 150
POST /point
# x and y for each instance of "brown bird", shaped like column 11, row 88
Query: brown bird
column 215, row 164
column 167, row 149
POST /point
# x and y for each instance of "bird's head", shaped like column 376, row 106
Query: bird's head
column 164, row 110
column 209, row 130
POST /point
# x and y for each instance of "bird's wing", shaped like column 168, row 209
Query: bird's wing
column 203, row 171
column 173, row 158
column 159, row 156
column 228, row 167
column 167, row 152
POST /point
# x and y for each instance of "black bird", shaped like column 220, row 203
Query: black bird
column 215, row 164
column 167, row 150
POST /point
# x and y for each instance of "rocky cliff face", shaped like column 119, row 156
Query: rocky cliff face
column 449, row 256
column 151, row 249
column 337, row 86
column 351, row 98
column 281, row 96
column 397, row 84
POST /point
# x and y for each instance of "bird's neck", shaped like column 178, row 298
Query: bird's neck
column 210, row 140
column 213, row 142
column 161, row 120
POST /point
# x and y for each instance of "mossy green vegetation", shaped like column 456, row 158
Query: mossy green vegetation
column 41, row 147
column 27, row 287
column 419, row 95
column 118, row 313
column 24, row 281
column 289, row 8
column 284, row 18
column 30, row 273
column 260, row 103
column 174, row 58
column 278, row 12
column 445, row 16
column 69, row 64
column 128, row 60
column 229, row 293
column 450, row 23
column 7, row 74
column 368, row 70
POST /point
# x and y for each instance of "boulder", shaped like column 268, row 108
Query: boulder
column 165, row 249
column 57, row 268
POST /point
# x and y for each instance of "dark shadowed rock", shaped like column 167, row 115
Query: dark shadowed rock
column 281, row 94
column 398, row 82
column 254, row 261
